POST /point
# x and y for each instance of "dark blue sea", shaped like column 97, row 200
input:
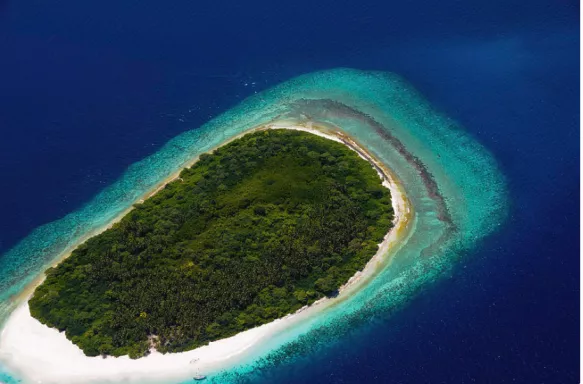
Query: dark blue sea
column 89, row 87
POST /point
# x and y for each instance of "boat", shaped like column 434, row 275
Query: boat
column 199, row 377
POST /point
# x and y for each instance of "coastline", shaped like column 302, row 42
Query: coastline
column 38, row 353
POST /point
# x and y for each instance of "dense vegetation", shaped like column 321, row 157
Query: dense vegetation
column 263, row 226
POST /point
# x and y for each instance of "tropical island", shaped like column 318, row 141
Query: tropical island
column 257, row 229
column 249, row 234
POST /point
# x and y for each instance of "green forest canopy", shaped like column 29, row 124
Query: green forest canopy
column 259, row 228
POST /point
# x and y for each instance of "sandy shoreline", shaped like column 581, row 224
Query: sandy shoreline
column 41, row 354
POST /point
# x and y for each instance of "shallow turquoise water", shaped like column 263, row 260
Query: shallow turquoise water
column 452, row 182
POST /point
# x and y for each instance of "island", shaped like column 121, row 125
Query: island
column 255, row 230
column 252, row 238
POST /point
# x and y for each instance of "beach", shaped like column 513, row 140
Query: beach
column 41, row 354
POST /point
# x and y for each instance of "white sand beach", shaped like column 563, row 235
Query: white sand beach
column 39, row 354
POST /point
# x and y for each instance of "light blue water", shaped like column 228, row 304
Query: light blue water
column 453, row 184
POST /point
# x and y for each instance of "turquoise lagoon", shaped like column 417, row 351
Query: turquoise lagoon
column 453, row 184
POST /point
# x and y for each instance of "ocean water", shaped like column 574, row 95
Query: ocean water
column 89, row 89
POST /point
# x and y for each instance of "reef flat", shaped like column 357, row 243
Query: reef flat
column 442, row 170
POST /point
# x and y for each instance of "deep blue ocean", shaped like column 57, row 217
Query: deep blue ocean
column 89, row 87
